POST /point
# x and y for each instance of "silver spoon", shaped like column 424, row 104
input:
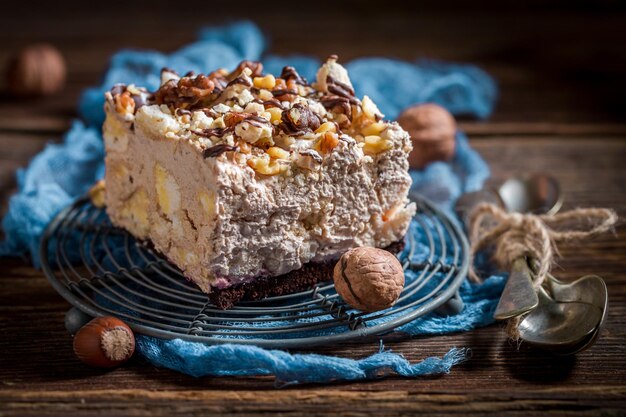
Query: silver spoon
column 561, row 327
column 519, row 295
column 588, row 289
column 538, row 194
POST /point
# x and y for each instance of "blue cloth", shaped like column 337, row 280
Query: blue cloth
column 62, row 172
column 289, row 369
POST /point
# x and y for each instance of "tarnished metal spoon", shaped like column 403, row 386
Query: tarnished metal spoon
column 519, row 295
column 537, row 193
column 589, row 289
column 560, row 327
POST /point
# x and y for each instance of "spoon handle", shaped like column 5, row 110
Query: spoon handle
column 519, row 295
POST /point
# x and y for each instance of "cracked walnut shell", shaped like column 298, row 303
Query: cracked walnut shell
column 369, row 279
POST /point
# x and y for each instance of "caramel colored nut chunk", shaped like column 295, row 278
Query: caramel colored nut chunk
column 432, row 129
column 97, row 194
column 369, row 279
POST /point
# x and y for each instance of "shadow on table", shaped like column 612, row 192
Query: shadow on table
column 536, row 366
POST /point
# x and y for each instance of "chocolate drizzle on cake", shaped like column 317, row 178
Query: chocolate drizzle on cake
column 341, row 89
column 217, row 132
column 241, row 80
column 271, row 103
column 118, row 89
column 337, row 104
column 232, row 119
column 290, row 73
column 278, row 93
column 217, row 150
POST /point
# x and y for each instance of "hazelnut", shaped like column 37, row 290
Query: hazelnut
column 369, row 279
column 432, row 129
column 36, row 71
column 104, row 342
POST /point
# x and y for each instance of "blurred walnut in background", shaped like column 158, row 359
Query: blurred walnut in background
column 36, row 70
column 432, row 129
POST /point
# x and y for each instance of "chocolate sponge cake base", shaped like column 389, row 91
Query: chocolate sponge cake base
column 295, row 281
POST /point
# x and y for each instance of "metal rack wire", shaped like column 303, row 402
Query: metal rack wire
column 102, row 270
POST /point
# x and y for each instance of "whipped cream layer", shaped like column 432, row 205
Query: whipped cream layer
column 236, row 175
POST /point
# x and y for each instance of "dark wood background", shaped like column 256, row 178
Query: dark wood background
column 561, row 67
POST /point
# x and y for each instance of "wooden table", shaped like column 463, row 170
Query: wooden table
column 562, row 81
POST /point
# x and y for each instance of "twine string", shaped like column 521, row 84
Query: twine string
column 516, row 235
column 535, row 237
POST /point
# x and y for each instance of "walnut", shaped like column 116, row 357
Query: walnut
column 188, row 89
column 196, row 87
column 167, row 93
column 432, row 129
column 233, row 118
column 369, row 279
column 36, row 71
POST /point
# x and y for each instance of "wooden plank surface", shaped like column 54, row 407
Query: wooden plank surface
column 561, row 79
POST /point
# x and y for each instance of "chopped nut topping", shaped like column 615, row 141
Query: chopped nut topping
column 231, row 119
column 252, row 114
column 276, row 114
column 267, row 82
column 263, row 165
column 327, row 127
column 337, row 104
column 328, row 142
column 298, row 120
column 373, row 145
column 190, row 90
column 373, row 129
column 124, row 103
column 277, row 153
column 97, row 194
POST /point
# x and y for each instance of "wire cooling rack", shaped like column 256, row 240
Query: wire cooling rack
column 102, row 270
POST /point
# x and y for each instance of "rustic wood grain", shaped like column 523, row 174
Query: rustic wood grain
column 561, row 78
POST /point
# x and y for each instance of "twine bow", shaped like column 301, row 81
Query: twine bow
column 515, row 235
